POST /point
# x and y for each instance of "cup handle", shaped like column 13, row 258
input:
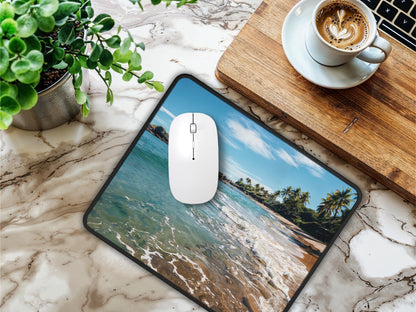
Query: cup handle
column 376, row 57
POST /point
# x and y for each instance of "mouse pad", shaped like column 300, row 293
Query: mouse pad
column 254, row 245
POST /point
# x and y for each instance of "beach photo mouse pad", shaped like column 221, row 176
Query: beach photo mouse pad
column 254, row 245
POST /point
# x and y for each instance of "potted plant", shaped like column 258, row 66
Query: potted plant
column 45, row 43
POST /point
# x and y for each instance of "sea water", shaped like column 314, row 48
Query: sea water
column 221, row 252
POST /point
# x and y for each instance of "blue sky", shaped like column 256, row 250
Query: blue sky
column 248, row 150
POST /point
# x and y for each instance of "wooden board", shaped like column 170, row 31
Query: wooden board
column 372, row 126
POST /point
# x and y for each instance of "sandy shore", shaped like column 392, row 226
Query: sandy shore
column 312, row 247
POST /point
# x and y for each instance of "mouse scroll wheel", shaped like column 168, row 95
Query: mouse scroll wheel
column 193, row 127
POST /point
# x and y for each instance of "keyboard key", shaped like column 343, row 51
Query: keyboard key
column 404, row 22
column 398, row 34
column 377, row 17
column 372, row 4
column 413, row 12
column 414, row 33
column 387, row 11
column 405, row 5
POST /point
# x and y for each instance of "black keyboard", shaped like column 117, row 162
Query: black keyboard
column 396, row 18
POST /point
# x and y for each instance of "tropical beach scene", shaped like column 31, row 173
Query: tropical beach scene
column 253, row 244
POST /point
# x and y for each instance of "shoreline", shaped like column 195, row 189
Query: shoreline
column 311, row 246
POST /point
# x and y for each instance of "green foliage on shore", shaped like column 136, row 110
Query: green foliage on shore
column 291, row 203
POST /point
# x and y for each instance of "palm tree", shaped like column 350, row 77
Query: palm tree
column 257, row 187
column 335, row 203
column 304, row 198
column 274, row 195
column 287, row 191
column 296, row 193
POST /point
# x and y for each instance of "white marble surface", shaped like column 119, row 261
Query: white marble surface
column 49, row 262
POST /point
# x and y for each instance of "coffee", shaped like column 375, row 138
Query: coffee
column 343, row 26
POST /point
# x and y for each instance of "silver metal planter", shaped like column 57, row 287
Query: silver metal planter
column 56, row 105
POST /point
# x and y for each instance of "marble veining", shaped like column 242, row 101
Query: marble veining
column 49, row 262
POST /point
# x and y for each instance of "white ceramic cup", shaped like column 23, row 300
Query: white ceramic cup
column 375, row 50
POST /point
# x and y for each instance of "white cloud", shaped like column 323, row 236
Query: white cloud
column 227, row 140
column 233, row 170
column 299, row 160
column 282, row 154
column 251, row 138
column 312, row 167
column 167, row 112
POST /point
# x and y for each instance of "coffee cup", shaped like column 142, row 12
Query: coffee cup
column 343, row 29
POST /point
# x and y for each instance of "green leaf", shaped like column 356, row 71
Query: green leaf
column 91, row 64
column 122, row 58
column 101, row 17
column 35, row 58
column 75, row 67
column 60, row 22
column 65, row 9
column 4, row 88
column 108, row 77
column 4, row 60
column 158, row 86
column 28, row 77
column 46, row 24
column 6, row 11
column 66, row 34
column 8, row 89
column 32, row 43
column 141, row 46
column 80, row 96
column 127, row 76
column 59, row 53
column 108, row 23
column 27, row 96
column 60, row 65
column 106, row 58
column 9, row 105
column 90, row 11
column 96, row 52
column 17, row 45
column 69, row 59
column 9, row 75
column 5, row 120
column 94, row 30
column 125, row 46
column 113, row 42
column 8, row 26
column 110, row 97
column 85, row 109
column 77, row 80
column 26, row 25
column 21, row 6
column 117, row 69
column 147, row 75
column 77, row 44
column 149, row 85
column 83, row 61
column 20, row 66
column 156, row 2
column 48, row 7
column 135, row 59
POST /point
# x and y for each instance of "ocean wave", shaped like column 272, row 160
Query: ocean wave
column 276, row 261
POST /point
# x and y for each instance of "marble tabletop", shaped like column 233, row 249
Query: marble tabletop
column 49, row 262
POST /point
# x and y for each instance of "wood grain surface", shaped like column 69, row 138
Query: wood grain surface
column 372, row 126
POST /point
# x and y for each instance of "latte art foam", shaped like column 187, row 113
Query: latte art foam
column 343, row 26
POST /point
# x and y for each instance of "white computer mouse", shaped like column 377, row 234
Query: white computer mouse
column 193, row 158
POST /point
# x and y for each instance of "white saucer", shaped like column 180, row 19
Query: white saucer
column 293, row 38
